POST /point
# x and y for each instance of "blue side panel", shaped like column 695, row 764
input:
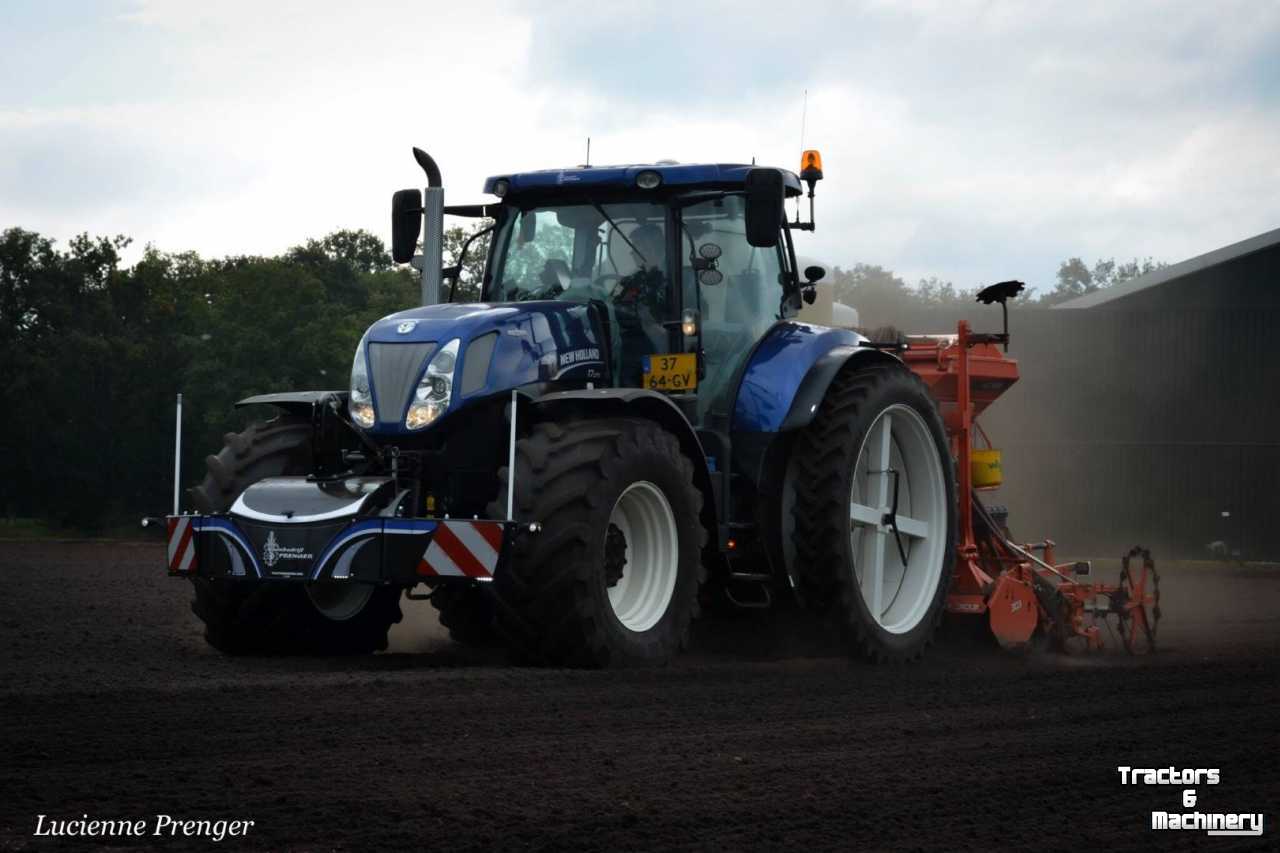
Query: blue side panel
column 777, row 368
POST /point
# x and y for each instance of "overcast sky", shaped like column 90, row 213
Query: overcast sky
column 974, row 141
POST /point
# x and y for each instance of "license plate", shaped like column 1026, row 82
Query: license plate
column 671, row 373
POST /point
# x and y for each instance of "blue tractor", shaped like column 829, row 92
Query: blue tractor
column 632, row 422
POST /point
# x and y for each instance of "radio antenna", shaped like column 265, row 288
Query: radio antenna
column 804, row 115
column 588, row 163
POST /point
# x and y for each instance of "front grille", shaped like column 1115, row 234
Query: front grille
column 394, row 369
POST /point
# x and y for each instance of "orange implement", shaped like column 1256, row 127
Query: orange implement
column 1019, row 591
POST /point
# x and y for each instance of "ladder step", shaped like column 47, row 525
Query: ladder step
column 762, row 603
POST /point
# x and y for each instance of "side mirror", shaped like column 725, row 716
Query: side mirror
column 764, row 207
column 814, row 274
column 406, row 224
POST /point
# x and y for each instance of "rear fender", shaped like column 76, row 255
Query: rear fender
column 782, row 387
column 789, row 373
column 813, row 388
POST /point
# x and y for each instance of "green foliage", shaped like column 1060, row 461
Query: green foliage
column 1077, row 279
column 472, row 274
column 95, row 355
column 881, row 297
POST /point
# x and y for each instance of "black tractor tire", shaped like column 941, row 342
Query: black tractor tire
column 826, row 452
column 466, row 610
column 551, row 596
column 274, row 448
column 278, row 618
column 266, row 617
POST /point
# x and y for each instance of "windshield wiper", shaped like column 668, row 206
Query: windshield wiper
column 615, row 227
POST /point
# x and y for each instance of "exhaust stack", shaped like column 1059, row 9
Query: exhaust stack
column 433, row 232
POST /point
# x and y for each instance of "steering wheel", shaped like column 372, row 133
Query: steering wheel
column 604, row 278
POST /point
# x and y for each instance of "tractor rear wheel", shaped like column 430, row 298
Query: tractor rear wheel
column 612, row 578
column 875, row 511
column 255, row 617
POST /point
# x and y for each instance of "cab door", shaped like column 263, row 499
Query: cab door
column 736, row 290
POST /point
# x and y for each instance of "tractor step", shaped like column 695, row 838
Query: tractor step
column 762, row 601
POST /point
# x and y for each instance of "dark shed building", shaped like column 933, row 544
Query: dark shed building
column 1154, row 409
column 1146, row 411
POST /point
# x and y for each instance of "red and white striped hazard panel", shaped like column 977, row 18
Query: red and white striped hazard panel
column 466, row 549
column 182, row 545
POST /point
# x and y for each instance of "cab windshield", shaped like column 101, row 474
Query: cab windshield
column 582, row 252
column 612, row 254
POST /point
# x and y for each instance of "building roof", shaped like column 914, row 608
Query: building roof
column 1175, row 271
column 718, row 175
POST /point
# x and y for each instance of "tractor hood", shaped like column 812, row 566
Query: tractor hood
column 500, row 346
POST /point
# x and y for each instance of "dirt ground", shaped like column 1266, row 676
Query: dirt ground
column 761, row 738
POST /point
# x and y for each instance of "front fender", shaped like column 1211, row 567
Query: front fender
column 294, row 402
column 642, row 403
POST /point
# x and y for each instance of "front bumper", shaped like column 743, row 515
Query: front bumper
column 370, row 550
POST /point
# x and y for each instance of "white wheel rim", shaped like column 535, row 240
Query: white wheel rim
column 641, row 596
column 898, row 595
column 338, row 602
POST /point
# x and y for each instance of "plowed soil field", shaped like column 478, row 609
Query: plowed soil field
column 761, row 738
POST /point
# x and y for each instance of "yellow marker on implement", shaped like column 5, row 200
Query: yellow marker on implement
column 984, row 466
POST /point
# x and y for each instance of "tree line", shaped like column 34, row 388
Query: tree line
column 880, row 295
column 94, row 351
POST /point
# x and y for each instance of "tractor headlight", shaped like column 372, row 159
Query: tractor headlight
column 361, row 403
column 435, row 389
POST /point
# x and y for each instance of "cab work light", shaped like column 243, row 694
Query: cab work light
column 648, row 179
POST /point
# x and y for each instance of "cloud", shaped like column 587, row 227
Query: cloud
column 970, row 140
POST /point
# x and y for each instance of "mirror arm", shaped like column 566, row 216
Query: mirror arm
column 471, row 211
column 803, row 226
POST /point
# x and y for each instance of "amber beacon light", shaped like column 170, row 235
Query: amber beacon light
column 811, row 168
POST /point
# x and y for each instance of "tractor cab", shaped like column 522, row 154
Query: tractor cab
column 683, row 275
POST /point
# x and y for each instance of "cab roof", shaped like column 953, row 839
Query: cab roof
column 728, row 176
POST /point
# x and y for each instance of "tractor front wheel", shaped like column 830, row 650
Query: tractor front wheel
column 612, row 578
column 257, row 617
